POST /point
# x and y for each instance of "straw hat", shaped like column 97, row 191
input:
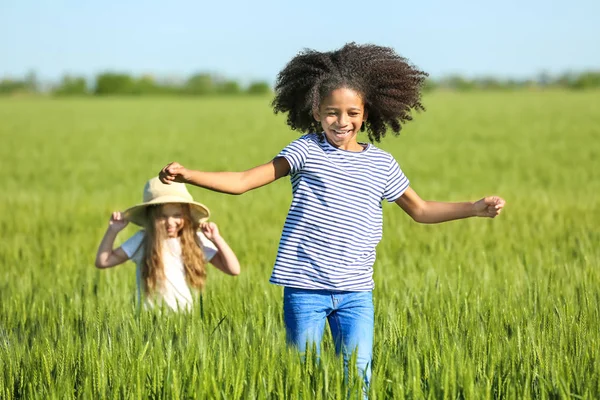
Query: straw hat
column 156, row 192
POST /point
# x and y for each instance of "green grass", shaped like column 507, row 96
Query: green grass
column 504, row 308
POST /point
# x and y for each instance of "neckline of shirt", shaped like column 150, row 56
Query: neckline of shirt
column 367, row 147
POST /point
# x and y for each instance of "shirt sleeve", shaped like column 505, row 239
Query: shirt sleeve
column 208, row 248
column 296, row 154
column 132, row 246
column 397, row 182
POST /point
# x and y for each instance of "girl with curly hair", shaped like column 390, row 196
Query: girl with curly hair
column 327, row 248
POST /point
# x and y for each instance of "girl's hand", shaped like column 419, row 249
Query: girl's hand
column 117, row 222
column 173, row 172
column 210, row 230
column 489, row 206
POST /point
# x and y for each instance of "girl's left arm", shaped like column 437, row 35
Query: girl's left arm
column 225, row 259
column 432, row 212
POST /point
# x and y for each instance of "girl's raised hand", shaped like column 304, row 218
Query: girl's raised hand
column 210, row 230
column 489, row 206
column 173, row 172
column 117, row 221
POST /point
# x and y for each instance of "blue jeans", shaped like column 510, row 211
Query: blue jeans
column 350, row 316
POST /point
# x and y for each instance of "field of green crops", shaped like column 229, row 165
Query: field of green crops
column 474, row 309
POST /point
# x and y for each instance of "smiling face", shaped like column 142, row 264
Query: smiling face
column 341, row 114
column 171, row 218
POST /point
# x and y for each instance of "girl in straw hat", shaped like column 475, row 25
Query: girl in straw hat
column 172, row 249
column 327, row 248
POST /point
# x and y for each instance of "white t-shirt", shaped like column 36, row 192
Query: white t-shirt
column 175, row 292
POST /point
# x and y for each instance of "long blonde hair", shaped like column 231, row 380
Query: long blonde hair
column 153, row 271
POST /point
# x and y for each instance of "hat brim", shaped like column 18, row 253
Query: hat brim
column 137, row 214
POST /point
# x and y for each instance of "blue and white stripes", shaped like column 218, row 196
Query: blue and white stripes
column 335, row 219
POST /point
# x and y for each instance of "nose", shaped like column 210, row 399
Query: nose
column 343, row 120
column 171, row 221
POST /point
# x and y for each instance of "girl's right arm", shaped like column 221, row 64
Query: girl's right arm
column 107, row 256
column 227, row 182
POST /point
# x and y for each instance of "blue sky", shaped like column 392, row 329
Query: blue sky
column 249, row 40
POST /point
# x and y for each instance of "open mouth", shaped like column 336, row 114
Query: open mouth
column 342, row 132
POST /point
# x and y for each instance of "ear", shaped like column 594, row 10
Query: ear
column 365, row 116
column 316, row 115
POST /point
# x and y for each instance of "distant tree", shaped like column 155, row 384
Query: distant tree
column 512, row 84
column 457, row 82
column 113, row 83
column 200, row 84
column 586, row 80
column 490, row 83
column 544, row 79
column 566, row 80
column 430, row 85
column 31, row 82
column 146, row 85
column 9, row 86
column 258, row 88
column 229, row 87
column 71, row 86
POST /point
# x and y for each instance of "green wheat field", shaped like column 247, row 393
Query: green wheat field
column 472, row 309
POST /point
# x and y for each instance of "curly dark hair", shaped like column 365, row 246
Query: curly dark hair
column 389, row 85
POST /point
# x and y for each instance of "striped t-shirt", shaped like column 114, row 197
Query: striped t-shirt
column 335, row 220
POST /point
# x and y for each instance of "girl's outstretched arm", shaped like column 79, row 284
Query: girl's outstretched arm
column 431, row 212
column 227, row 182
column 225, row 259
column 107, row 256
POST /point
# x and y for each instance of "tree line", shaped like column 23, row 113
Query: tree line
column 575, row 81
column 201, row 84
column 121, row 84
